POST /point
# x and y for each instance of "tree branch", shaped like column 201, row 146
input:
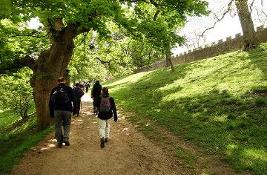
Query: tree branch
column 103, row 62
column 218, row 19
column 156, row 15
column 154, row 3
column 29, row 35
column 17, row 64
column 265, row 14
column 251, row 5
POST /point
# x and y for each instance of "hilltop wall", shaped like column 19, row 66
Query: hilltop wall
column 216, row 48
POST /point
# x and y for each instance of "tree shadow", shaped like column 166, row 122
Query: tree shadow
column 258, row 57
column 217, row 120
column 220, row 122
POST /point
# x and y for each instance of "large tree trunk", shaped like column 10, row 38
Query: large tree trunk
column 50, row 65
column 246, row 23
column 169, row 60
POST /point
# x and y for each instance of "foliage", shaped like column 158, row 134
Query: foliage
column 17, row 41
column 64, row 20
column 16, row 93
column 218, row 103
column 96, row 59
column 114, row 57
column 153, row 22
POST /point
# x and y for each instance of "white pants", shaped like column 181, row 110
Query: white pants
column 104, row 128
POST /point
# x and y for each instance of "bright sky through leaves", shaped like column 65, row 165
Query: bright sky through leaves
column 229, row 26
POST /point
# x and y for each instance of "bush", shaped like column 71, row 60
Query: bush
column 260, row 102
column 16, row 93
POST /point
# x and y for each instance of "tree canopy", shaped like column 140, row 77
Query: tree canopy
column 49, row 50
column 154, row 21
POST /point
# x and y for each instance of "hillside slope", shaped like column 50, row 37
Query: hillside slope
column 219, row 104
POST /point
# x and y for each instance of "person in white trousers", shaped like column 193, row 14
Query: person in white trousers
column 107, row 109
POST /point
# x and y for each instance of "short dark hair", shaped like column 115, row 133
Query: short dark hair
column 61, row 80
column 105, row 91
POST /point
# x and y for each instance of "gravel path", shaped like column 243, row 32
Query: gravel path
column 128, row 152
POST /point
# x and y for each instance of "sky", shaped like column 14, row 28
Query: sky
column 229, row 26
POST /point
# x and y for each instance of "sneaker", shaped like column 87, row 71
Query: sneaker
column 106, row 140
column 59, row 145
column 102, row 142
column 67, row 143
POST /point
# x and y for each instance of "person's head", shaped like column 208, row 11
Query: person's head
column 77, row 84
column 97, row 82
column 61, row 80
column 105, row 92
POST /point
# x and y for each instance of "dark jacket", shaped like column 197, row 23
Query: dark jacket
column 78, row 92
column 111, row 113
column 96, row 90
column 69, row 106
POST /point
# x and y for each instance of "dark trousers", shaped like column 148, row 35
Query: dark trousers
column 94, row 104
column 62, row 118
column 78, row 107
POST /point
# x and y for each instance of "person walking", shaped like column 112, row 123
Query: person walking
column 95, row 94
column 78, row 92
column 87, row 86
column 107, row 109
column 61, row 104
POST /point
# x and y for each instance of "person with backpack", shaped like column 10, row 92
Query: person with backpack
column 95, row 94
column 62, row 104
column 78, row 92
column 106, row 110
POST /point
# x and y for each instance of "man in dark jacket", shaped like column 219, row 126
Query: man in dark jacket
column 95, row 94
column 78, row 92
column 61, row 104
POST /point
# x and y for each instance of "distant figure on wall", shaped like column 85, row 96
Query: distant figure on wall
column 95, row 94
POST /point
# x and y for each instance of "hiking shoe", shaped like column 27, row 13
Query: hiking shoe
column 106, row 140
column 59, row 145
column 67, row 143
column 102, row 142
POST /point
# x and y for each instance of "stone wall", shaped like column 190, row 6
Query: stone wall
column 216, row 48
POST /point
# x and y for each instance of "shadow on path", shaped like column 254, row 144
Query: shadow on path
column 128, row 152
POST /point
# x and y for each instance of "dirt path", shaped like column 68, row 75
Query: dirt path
column 128, row 152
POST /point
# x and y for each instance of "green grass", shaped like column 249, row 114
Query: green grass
column 7, row 118
column 219, row 104
column 189, row 159
column 14, row 143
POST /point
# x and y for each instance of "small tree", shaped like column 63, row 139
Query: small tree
column 16, row 93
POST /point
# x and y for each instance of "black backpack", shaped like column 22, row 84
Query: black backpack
column 78, row 92
column 60, row 96
column 105, row 105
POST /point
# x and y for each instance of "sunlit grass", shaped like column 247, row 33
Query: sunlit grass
column 218, row 103
column 7, row 118
column 130, row 79
column 255, row 154
column 202, row 78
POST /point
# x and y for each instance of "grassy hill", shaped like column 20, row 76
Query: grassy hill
column 218, row 104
